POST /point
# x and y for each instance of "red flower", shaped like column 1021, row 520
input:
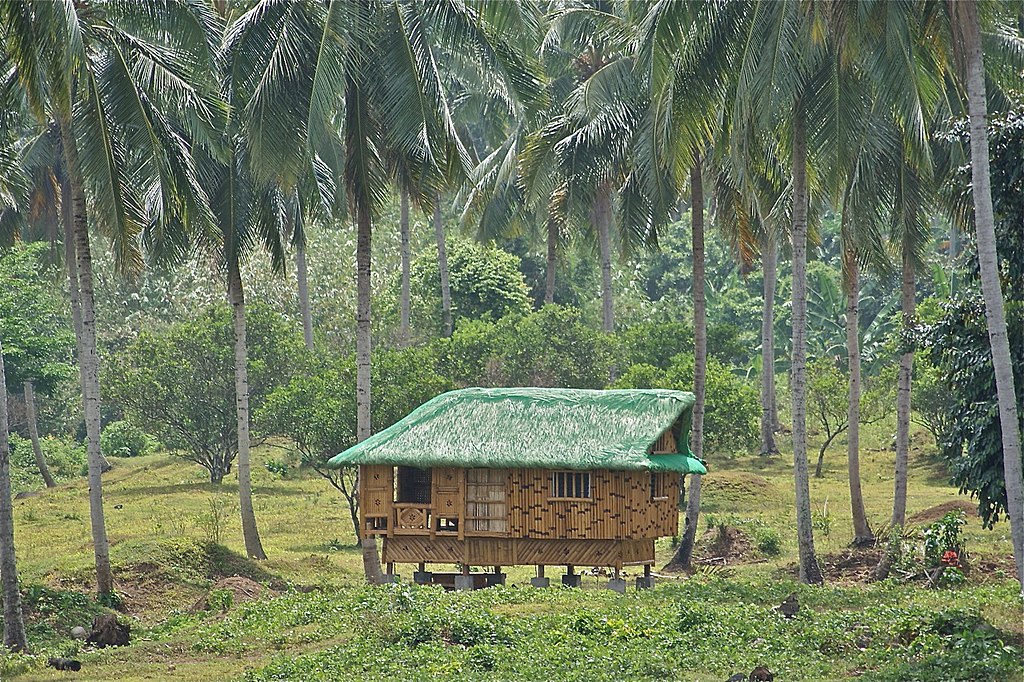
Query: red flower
column 950, row 558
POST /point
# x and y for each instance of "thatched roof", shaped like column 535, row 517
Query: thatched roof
column 544, row 428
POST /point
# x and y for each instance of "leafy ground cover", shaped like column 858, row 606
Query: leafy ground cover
column 176, row 539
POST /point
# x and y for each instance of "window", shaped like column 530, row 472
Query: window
column 413, row 485
column 570, row 485
column 658, row 491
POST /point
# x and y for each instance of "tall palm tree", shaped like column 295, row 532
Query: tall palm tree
column 364, row 78
column 968, row 27
column 119, row 80
column 14, row 625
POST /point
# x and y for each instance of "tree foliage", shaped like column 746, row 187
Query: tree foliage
column 732, row 408
column 178, row 383
column 38, row 343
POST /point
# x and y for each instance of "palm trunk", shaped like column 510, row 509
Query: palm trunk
column 602, row 215
column 862, row 534
column 990, row 287
column 88, row 360
column 810, row 572
column 442, row 267
column 769, row 261
column 549, row 279
column 364, row 227
column 684, row 554
column 250, row 533
column 899, row 498
column 302, row 276
column 14, row 626
column 403, row 228
column 33, row 433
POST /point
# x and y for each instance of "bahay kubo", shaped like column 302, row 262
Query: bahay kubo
column 527, row 476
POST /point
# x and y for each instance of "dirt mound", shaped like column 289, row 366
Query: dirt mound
column 851, row 565
column 724, row 546
column 933, row 514
column 242, row 589
column 735, row 487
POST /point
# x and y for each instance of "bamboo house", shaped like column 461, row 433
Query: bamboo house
column 526, row 476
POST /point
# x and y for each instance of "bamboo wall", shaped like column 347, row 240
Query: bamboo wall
column 620, row 507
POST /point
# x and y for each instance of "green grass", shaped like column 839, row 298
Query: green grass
column 174, row 535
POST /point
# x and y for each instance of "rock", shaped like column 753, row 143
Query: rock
column 64, row 664
column 738, row 677
column 78, row 632
column 791, row 606
column 761, row 674
column 108, row 631
column 25, row 494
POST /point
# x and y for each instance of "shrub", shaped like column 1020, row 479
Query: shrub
column 123, row 439
column 732, row 409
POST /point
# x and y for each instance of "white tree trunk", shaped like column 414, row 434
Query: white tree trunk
column 403, row 228
column 88, row 360
column 552, row 261
column 14, row 626
column 602, row 216
column 810, row 572
column 861, row 530
column 33, row 433
column 899, row 498
column 364, row 228
column 990, row 286
column 684, row 554
column 442, row 267
column 769, row 261
column 250, row 532
column 302, row 275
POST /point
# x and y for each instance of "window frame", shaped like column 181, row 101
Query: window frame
column 572, row 482
column 659, row 486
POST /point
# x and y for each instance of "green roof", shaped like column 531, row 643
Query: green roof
column 543, row 428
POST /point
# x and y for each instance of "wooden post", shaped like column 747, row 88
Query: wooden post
column 647, row 570
column 465, row 569
column 423, row 567
column 540, row 571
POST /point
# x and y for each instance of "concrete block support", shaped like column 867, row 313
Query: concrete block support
column 572, row 580
column 422, row 577
column 540, row 582
column 464, row 583
column 617, row 585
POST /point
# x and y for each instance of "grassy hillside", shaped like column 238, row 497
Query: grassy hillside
column 174, row 536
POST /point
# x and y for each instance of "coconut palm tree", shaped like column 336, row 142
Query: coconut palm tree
column 967, row 23
column 14, row 625
column 120, row 81
column 364, row 77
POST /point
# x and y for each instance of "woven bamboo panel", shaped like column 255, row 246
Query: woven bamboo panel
column 447, row 494
column 376, row 491
column 511, row 552
column 413, row 550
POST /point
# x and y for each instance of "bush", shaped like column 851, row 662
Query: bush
column 66, row 459
column 123, row 439
column 732, row 409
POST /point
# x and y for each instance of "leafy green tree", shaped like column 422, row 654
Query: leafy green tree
column 551, row 347
column 179, row 383
column 39, row 344
column 485, row 282
column 316, row 409
column 731, row 419
column 828, row 403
